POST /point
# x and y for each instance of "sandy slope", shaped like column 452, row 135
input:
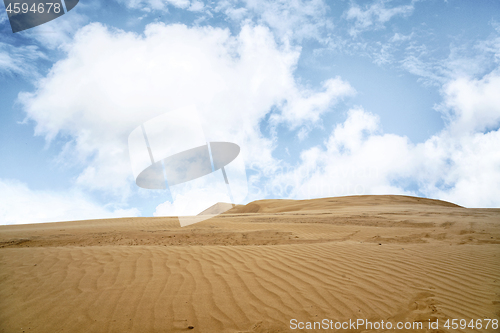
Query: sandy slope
column 254, row 272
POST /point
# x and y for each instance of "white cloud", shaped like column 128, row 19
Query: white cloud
column 306, row 105
column 168, row 209
column 466, row 59
column 460, row 164
column 196, row 6
column 189, row 205
column 112, row 81
column 148, row 5
column 354, row 160
column 19, row 204
column 469, row 169
column 374, row 16
column 398, row 38
column 429, row 73
column 20, row 60
column 473, row 105
column 289, row 20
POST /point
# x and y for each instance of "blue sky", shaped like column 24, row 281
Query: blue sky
column 324, row 98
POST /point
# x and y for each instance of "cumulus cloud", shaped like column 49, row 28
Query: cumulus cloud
column 472, row 105
column 112, row 81
column 469, row 174
column 355, row 159
column 460, row 164
column 19, row 204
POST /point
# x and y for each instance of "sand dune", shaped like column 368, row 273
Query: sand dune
column 388, row 258
column 281, row 205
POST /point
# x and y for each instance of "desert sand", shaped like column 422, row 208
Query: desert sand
column 255, row 268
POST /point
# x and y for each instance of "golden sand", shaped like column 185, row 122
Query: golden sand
column 255, row 268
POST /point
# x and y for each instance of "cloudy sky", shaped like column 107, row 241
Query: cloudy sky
column 327, row 98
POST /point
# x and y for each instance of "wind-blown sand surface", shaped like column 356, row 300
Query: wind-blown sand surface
column 256, row 267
